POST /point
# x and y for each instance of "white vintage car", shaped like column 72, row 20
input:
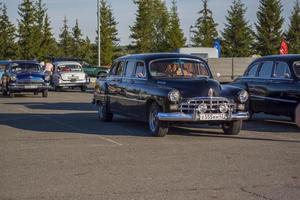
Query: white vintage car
column 69, row 74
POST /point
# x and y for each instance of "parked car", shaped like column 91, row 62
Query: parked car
column 24, row 76
column 3, row 64
column 69, row 74
column 90, row 70
column 273, row 83
column 168, row 88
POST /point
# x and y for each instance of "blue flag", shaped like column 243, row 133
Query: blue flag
column 217, row 45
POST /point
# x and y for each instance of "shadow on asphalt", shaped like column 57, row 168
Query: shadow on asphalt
column 57, row 106
column 87, row 123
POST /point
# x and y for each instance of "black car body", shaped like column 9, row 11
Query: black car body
column 140, row 86
column 273, row 83
column 24, row 76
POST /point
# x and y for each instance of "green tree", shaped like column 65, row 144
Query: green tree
column 293, row 34
column 108, row 33
column 7, row 35
column 238, row 37
column 65, row 40
column 176, row 37
column 76, row 40
column 48, row 43
column 160, row 21
column 206, row 28
column 87, row 52
column 269, row 27
column 26, row 26
column 142, row 30
column 40, row 12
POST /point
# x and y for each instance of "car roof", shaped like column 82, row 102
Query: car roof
column 154, row 56
column 287, row 58
column 66, row 63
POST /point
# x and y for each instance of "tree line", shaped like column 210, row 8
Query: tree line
column 156, row 29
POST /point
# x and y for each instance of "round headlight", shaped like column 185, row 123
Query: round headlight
column 174, row 95
column 243, row 96
column 13, row 78
column 224, row 108
column 202, row 108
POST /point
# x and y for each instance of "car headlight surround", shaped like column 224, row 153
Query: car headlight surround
column 243, row 96
column 224, row 108
column 13, row 78
column 202, row 108
column 174, row 95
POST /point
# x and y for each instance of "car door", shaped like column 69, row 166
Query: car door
column 258, row 87
column 281, row 99
column 115, row 88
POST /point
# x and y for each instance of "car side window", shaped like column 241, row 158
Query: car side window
column 266, row 70
column 120, row 68
column 252, row 70
column 129, row 68
column 113, row 69
column 281, row 70
column 140, row 71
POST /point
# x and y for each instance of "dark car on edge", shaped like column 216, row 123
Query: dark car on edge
column 273, row 83
column 24, row 76
column 168, row 88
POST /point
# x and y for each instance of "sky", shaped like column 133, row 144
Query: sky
column 125, row 12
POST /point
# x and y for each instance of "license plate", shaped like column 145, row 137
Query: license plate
column 73, row 80
column 30, row 86
column 212, row 116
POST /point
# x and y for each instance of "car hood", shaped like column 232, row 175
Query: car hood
column 192, row 87
column 30, row 75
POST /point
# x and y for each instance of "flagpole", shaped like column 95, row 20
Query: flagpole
column 99, row 32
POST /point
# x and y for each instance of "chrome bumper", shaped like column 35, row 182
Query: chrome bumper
column 23, row 87
column 181, row 117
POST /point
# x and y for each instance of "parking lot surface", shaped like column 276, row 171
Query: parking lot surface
column 56, row 148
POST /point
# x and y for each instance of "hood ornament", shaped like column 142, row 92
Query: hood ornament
column 211, row 92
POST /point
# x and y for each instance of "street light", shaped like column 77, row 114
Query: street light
column 99, row 33
column 190, row 35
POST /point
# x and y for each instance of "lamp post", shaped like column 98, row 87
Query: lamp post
column 190, row 35
column 99, row 32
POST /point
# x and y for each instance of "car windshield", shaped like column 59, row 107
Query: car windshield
column 27, row 67
column 297, row 68
column 69, row 68
column 178, row 68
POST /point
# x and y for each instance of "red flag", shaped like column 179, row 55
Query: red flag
column 284, row 47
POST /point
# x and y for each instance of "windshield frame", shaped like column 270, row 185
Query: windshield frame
column 181, row 68
column 21, row 65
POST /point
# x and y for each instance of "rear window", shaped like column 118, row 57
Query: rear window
column 32, row 67
column 297, row 68
column 281, row 70
column 70, row 68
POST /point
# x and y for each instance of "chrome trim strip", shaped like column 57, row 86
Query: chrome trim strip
column 275, row 99
column 181, row 117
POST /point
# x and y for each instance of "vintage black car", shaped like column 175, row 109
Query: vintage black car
column 273, row 83
column 24, row 76
column 167, row 88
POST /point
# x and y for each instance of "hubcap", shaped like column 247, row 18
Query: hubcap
column 153, row 119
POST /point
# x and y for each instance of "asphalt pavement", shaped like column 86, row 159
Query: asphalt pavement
column 56, row 148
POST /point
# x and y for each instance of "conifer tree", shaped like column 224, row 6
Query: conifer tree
column 269, row 27
column 48, row 43
column 108, row 33
column 142, row 30
column 238, row 37
column 87, row 52
column 37, row 31
column 76, row 40
column 206, row 28
column 175, row 34
column 293, row 34
column 7, row 35
column 65, row 42
column 26, row 25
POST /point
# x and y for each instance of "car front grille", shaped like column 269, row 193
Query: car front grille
column 30, row 81
column 190, row 106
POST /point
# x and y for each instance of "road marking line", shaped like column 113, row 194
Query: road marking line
column 69, row 126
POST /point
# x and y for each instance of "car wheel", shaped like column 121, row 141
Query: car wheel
column 83, row 88
column 45, row 93
column 101, row 74
column 103, row 113
column 4, row 92
column 157, row 128
column 232, row 128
